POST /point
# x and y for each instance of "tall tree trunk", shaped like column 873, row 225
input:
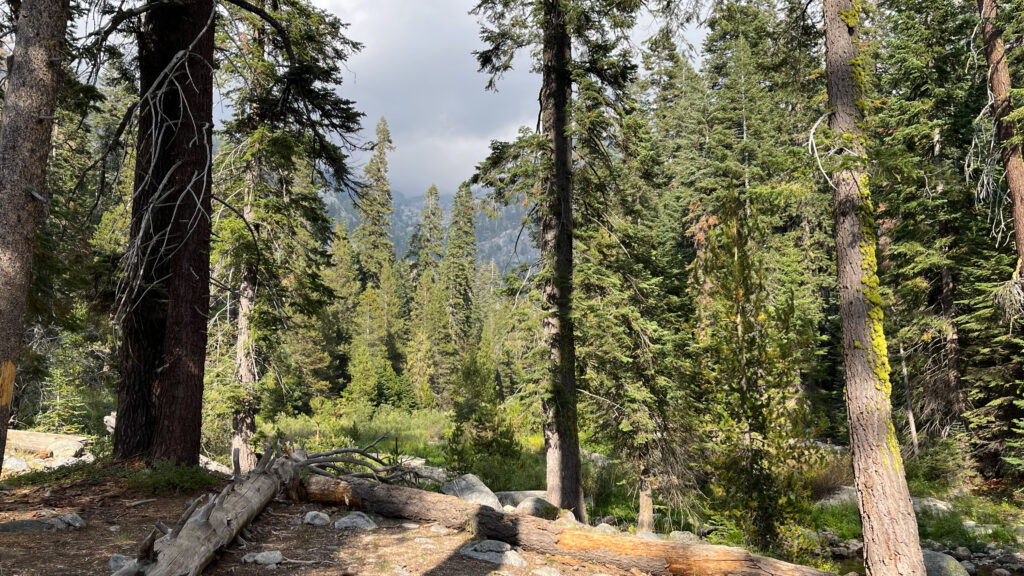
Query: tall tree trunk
column 165, row 319
column 645, row 517
column 891, row 544
column 34, row 76
column 243, row 420
column 999, row 81
column 908, row 396
column 561, row 431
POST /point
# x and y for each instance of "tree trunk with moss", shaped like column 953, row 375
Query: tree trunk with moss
column 891, row 546
column 34, row 75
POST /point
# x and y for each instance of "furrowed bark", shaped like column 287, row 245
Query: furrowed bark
column 561, row 430
column 999, row 82
column 538, row 535
column 165, row 320
column 35, row 73
column 891, row 545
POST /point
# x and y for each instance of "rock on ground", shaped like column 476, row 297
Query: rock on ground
column 270, row 557
column 494, row 552
column 471, row 489
column 647, row 535
column 513, row 498
column 66, row 449
column 538, row 507
column 356, row 520
column 937, row 564
column 15, row 464
column 546, row 571
column 603, row 528
column 316, row 518
column 118, row 561
column 684, row 536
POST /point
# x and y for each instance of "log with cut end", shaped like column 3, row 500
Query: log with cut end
column 208, row 526
column 537, row 535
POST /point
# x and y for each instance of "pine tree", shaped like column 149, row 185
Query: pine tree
column 458, row 269
column 891, row 544
column 426, row 246
column 372, row 238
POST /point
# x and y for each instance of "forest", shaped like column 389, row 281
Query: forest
column 765, row 291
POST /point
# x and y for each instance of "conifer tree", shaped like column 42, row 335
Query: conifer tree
column 372, row 237
column 599, row 32
column 26, row 124
column 891, row 544
column 426, row 246
column 459, row 267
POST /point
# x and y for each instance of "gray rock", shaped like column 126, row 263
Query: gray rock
column 999, row 572
column 546, row 571
column 513, row 498
column 509, row 509
column 842, row 496
column 962, row 553
column 932, row 505
column 41, row 525
column 438, row 529
column 110, row 421
column 494, row 552
column 356, row 520
column 421, row 540
column 538, row 507
column 61, row 462
column 471, row 489
column 73, row 520
column 937, row 564
column 607, row 520
column 14, row 464
column 211, row 465
column 970, row 567
column 316, row 518
column 605, row 529
column 567, row 519
column 684, row 536
column 87, row 458
column 410, row 526
column 648, row 535
column 268, row 558
column 66, row 449
column 118, row 561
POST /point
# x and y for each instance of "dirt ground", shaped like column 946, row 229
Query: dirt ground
column 118, row 518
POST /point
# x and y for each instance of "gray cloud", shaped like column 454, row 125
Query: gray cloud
column 417, row 69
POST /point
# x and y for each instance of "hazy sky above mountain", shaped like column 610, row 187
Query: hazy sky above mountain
column 417, row 68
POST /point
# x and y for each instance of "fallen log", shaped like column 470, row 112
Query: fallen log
column 206, row 527
column 537, row 535
column 37, row 442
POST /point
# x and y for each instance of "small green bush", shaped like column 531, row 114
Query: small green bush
column 843, row 520
column 164, row 478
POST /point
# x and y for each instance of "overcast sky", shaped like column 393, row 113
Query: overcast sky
column 417, row 69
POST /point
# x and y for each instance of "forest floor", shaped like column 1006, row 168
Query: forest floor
column 118, row 516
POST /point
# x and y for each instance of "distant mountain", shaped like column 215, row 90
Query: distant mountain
column 495, row 237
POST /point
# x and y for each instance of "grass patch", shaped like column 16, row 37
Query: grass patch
column 165, row 478
column 161, row 479
column 843, row 520
column 100, row 470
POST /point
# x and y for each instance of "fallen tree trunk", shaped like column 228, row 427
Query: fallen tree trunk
column 35, row 442
column 537, row 535
column 203, row 530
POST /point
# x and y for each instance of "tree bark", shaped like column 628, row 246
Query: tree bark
column 999, row 81
column 891, row 545
column 645, row 517
column 34, row 77
column 165, row 319
column 538, row 535
column 243, row 420
column 561, row 429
